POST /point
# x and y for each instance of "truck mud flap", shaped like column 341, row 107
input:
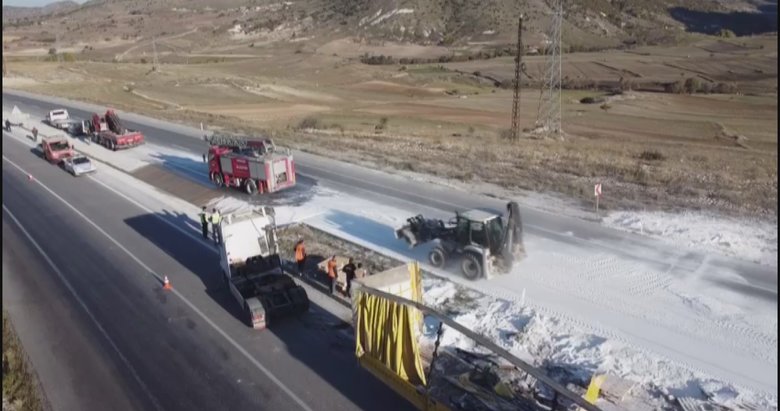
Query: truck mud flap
column 257, row 315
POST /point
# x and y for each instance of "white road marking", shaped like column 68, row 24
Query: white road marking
column 159, row 278
column 91, row 316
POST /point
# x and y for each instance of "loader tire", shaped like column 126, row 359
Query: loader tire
column 471, row 267
column 437, row 257
column 250, row 187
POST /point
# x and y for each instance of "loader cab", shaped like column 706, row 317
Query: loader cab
column 479, row 228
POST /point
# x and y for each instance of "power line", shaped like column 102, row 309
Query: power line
column 518, row 65
column 548, row 119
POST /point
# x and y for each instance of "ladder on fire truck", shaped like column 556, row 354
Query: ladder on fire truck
column 241, row 142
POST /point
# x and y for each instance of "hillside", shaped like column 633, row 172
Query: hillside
column 16, row 13
column 209, row 25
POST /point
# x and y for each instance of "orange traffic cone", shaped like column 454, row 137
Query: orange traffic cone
column 166, row 284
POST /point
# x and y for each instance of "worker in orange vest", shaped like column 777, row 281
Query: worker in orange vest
column 300, row 256
column 332, row 269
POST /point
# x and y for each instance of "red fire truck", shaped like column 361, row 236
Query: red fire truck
column 254, row 165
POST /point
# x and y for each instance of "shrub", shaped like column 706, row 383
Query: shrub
column 382, row 124
column 506, row 134
column 676, row 87
column 591, row 100
column 725, row 88
column 651, row 155
column 726, row 33
column 692, row 85
column 309, row 123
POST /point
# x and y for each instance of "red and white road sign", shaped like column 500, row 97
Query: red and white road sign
column 597, row 190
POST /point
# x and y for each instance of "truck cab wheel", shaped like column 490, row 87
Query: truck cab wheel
column 471, row 267
column 250, row 187
column 218, row 179
column 437, row 258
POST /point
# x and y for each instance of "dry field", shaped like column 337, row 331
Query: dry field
column 715, row 152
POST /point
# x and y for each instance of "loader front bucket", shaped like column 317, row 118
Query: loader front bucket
column 407, row 235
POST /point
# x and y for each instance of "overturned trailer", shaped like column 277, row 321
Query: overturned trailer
column 388, row 317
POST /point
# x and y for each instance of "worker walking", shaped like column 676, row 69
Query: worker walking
column 349, row 269
column 216, row 232
column 300, row 256
column 7, row 125
column 35, row 133
column 204, row 222
column 332, row 273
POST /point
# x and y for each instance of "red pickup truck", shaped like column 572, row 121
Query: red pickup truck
column 56, row 149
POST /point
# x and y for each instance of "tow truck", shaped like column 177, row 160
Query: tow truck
column 109, row 132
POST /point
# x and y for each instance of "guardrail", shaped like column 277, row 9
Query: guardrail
column 558, row 389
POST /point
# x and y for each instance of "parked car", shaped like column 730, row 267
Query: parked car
column 79, row 165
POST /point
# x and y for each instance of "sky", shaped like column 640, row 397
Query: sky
column 32, row 3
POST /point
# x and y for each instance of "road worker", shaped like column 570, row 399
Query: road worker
column 332, row 270
column 204, row 222
column 7, row 125
column 300, row 256
column 35, row 133
column 349, row 269
column 215, row 219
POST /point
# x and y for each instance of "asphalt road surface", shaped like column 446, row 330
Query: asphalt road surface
column 752, row 279
column 80, row 282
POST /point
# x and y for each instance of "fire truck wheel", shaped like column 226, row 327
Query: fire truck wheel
column 217, row 179
column 112, row 145
column 250, row 187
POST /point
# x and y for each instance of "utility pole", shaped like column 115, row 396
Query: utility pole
column 155, row 62
column 518, row 65
column 548, row 119
column 5, row 66
column 57, row 48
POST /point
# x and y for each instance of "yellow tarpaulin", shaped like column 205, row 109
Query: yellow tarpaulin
column 593, row 389
column 385, row 332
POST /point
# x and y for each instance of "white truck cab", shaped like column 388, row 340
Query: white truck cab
column 58, row 116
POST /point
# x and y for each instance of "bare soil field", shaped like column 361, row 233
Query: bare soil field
column 652, row 150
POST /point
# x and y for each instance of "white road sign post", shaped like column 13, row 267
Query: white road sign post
column 597, row 193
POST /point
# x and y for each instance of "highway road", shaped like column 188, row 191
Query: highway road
column 374, row 185
column 81, row 269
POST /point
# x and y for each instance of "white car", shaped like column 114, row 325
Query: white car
column 78, row 165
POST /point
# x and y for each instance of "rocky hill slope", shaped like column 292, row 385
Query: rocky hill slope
column 587, row 24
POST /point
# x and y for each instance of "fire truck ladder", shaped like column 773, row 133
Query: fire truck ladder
column 228, row 140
